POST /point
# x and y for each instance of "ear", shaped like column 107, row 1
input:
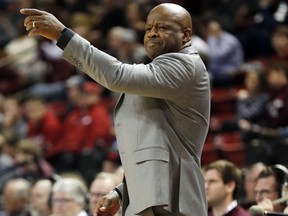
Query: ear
column 187, row 35
column 230, row 186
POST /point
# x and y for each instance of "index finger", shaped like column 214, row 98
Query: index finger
column 31, row 11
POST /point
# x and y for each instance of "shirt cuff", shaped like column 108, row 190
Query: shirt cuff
column 64, row 38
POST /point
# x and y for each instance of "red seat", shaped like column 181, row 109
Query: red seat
column 222, row 100
column 231, row 147
column 209, row 154
column 216, row 121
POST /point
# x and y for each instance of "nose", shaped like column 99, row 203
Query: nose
column 258, row 197
column 153, row 32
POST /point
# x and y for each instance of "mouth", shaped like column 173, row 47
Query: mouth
column 153, row 43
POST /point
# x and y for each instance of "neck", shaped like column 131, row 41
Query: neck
column 221, row 208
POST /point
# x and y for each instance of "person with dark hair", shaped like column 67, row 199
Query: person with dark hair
column 161, row 120
column 279, row 41
column 223, row 183
column 225, row 53
column 269, row 187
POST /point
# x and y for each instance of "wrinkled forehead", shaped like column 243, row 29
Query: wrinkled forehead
column 176, row 16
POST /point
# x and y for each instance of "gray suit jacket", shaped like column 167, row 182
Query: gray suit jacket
column 161, row 123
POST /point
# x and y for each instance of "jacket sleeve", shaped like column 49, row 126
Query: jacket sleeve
column 163, row 78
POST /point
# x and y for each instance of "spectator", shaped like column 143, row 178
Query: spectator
column 43, row 125
column 250, row 106
column 277, row 78
column 16, row 197
column 251, row 99
column 86, row 133
column 222, row 183
column 225, row 55
column 69, row 197
column 6, row 160
column 73, row 87
column 13, row 118
column 279, row 40
column 101, row 185
column 40, row 203
column 122, row 43
column 250, row 177
column 269, row 187
column 89, row 123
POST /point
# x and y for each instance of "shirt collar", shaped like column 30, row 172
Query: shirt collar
column 231, row 206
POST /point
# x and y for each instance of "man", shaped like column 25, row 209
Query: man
column 269, row 187
column 222, row 183
column 161, row 120
column 85, row 133
column 225, row 53
column 102, row 184
column 250, row 178
column 16, row 197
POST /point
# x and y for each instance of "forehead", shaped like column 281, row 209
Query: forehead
column 161, row 15
column 102, row 185
column 62, row 194
column 41, row 188
column 212, row 174
column 266, row 183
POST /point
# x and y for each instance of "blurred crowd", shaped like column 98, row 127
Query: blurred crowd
column 56, row 122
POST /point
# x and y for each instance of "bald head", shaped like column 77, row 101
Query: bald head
column 179, row 14
column 16, row 195
column 168, row 29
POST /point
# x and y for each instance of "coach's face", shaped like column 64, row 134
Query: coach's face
column 165, row 32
